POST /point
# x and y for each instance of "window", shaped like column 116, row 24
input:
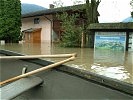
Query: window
column 36, row 20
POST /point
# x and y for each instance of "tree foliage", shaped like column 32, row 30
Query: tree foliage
column 71, row 33
column 91, row 11
column 58, row 3
column 131, row 3
column 10, row 20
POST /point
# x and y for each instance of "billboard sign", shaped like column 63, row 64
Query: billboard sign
column 110, row 40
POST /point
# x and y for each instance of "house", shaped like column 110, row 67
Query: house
column 34, row 27
column 43, row 26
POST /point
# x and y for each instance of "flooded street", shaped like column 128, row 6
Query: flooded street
column 114, row 64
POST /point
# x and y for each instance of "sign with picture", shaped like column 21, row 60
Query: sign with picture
column 110, row 40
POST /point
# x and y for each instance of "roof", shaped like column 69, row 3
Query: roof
column 111, row 26
column 52, row 11
column 30, row 8
column 126, row 24
column 129, row 19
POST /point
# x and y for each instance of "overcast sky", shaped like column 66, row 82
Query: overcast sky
column 110, row 10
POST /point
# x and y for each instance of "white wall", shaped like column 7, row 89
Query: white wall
column 45, row 24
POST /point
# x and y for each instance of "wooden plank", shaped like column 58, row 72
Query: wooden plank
column 12, row 90
column 38, row 56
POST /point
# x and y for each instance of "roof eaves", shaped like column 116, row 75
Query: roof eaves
column 31, row 30
column 111, row 26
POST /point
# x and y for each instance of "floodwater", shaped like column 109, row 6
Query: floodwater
column 114, row 64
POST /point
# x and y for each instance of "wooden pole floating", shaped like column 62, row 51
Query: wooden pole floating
column 37, row 70
column 38, row 56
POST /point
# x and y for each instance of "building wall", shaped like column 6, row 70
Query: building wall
column 44, row 23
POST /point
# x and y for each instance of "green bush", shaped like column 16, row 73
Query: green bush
column 71, row 36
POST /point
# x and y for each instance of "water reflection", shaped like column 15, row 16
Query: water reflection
column 109, row 56
column 118, row 72
column 114, row 64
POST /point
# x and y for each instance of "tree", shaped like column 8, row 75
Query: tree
column 131, row 3
column 92, row 11
column 92, row 17
column 58, row 3
column 10, row 20
column 71, row 33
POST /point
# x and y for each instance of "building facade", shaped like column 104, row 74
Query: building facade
column 46, row 21
column 37, row 22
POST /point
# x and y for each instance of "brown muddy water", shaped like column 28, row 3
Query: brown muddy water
column 114, row 64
